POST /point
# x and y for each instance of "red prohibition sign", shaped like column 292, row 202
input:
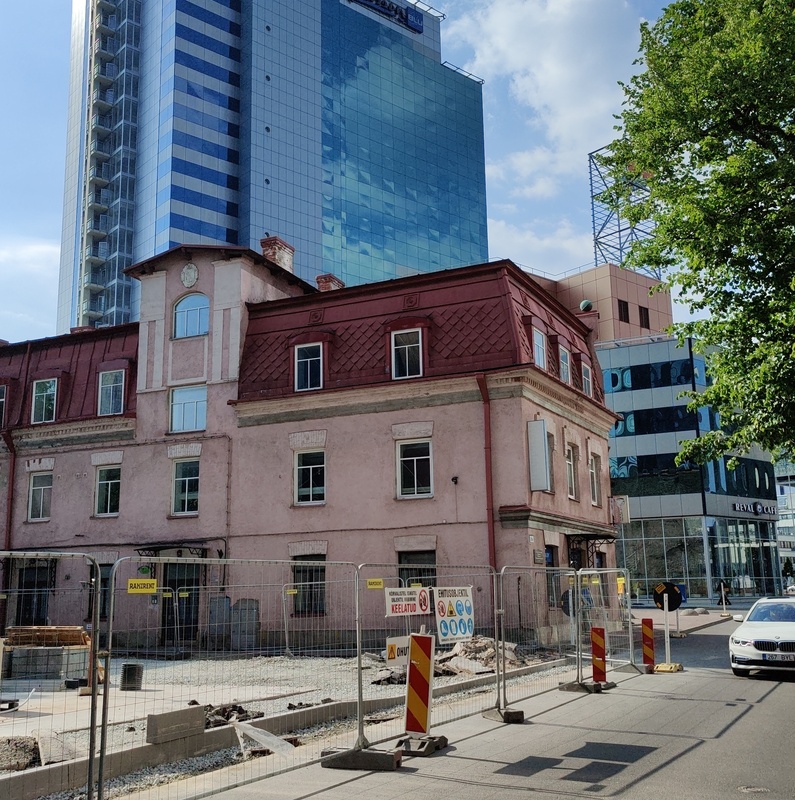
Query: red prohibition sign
column 423, row 599
column 441, row 609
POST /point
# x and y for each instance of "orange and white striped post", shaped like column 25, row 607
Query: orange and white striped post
column 419, row 681
column 598, row 664
column 647, row 631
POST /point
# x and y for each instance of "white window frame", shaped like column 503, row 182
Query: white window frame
column 111, row 402
column 104, row 480
column 595, row 474
column 309, row 471
column 186, row 412
column 181, row 490
column 539, row 348
column 37, row 504
column 587, row 380
column 404, row 490
column 40, row 414
column 564, row 357
column 572, row 457
column 406, row 350
column 298, row 361
column 195, row 320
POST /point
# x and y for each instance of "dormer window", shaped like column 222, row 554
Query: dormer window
column 308, row 367
column 564, row 357
column 44, row 393
column 540, row 348
column 407, row 354
column 587, row 382
column 111, row 392
column 192, row 316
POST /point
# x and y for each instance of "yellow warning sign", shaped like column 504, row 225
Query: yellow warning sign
column 621, row 584
column 391, row 652
column 375, row 583
column 450, row 609
column 141, row 586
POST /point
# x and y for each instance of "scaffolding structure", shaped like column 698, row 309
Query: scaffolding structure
column 613, row 234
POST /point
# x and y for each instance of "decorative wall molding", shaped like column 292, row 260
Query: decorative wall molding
column 306, row 439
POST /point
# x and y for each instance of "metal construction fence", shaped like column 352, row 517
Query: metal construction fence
column 204, row 663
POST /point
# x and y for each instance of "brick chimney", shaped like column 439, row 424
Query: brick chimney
column 328, row 282
column 278, row 251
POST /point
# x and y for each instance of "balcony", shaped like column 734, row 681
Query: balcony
column 101, row 124
column 99, row 200
column 100, row 150
column 93, row 280
column 103, row 99
column 105, row 73
column 105, row 48
column 94, row 308
column 96, row 253
column 99, row 175
column 98, row 226
column 105, row 24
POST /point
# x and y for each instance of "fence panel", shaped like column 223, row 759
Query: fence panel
column 197, row 643
column 605, row 603
column 50, row 606
column 539, row 630
column 465, row 679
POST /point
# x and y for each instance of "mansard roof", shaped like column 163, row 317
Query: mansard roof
column 75, row 359
column 477, row 318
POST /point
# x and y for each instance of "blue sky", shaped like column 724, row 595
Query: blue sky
column 551, row 71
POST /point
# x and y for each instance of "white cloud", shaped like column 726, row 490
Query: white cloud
column 558, row 62
column 558, row 249
column 29, row 277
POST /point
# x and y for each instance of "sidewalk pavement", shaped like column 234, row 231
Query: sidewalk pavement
column 621, row 741
column 688, row 618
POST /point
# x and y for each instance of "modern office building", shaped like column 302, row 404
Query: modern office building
column 688, row 524
column 332, row 124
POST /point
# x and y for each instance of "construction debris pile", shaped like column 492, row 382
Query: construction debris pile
column 475, row 656
column 216, row 716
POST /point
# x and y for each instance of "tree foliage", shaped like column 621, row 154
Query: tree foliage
column 709, row 124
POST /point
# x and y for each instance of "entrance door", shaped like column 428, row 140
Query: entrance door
column 36, row 578
column 181, row 610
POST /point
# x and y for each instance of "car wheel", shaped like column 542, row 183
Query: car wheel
column 740, row 673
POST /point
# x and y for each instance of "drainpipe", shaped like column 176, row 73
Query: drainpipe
column 484, row 394
column 12, row 468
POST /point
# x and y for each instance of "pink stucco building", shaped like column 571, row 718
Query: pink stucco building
column 455, row 417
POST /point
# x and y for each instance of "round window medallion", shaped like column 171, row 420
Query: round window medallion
column 189, row 275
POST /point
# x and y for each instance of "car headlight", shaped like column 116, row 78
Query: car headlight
column 742, row 642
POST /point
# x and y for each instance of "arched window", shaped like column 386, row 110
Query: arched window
column 191, row 316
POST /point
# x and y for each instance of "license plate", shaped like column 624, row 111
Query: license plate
column 778, row 656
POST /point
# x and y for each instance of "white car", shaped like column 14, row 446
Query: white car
column 766, row 638
column 790, row 590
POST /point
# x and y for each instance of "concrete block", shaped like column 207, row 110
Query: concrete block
column 174, row 725
column 367, row 760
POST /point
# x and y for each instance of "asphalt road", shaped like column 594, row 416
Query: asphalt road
column 698, row 734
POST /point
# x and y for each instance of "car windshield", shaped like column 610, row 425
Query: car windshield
column 773, row 612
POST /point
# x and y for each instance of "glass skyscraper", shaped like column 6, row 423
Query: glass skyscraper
column 332, row 124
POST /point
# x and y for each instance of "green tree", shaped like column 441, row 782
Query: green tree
column 709, row 124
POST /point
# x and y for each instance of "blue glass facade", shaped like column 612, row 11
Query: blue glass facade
column 331, row 124
column 689, row 524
